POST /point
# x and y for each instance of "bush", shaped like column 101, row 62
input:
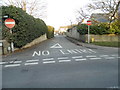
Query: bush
column 27, row 28
column 97, row 29
column 115, row 27
column 82, row 29
column 50, row 33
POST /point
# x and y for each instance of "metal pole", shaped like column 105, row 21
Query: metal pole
column 12, row 44
column 88, row 33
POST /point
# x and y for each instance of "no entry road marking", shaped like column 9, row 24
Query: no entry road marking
column 56, row 46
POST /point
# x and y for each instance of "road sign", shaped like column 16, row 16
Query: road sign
column 10, row 23
column 89, row 22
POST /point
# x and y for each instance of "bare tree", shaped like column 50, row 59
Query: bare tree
column 81, row 15
column 37, row 8
column 109, row 7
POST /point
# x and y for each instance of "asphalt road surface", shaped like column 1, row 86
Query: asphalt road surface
column 59, row 63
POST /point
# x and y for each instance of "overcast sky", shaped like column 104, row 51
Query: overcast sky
column 60, row 12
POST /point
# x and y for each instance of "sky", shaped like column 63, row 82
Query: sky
column 62, row 12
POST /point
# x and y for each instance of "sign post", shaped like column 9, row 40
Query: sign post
column 10, row 23
column 89, row 23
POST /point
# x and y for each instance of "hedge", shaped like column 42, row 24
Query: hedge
column 27, row 27
column 50, row 33
column 99, row 29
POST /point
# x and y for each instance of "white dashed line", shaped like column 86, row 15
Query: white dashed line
column 94, row 58
column 1, row 63
column 118, row 57
column 17, row 62
column 32, row 60
column 80, row 59
column 114, row 55
column 31, row 63
column 77, row 57
column 11, row 62
column 90, row 56
column 64, row 60
column 48, row 62
column 104, row 55
column 109, row 57
column 12, row 65
column 48, row 59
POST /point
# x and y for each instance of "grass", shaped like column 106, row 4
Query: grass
column 109, row 44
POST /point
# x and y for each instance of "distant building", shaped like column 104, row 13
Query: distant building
column 63, row 29
column 100, row 17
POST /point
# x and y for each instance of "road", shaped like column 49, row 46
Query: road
column 59, row 63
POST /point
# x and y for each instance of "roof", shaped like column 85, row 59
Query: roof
column 101, row 17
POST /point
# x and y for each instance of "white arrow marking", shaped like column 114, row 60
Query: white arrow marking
column 56, row 46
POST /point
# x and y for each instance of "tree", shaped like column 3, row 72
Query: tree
column 82, row 15
column 50, row 33
column 36, row 8
column 109, row 7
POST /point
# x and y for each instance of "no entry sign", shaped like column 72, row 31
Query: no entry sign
column 89, row 22
column 10, row 23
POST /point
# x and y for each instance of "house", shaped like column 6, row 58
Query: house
column 100, row 17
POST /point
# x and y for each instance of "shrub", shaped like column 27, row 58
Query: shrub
column 115, row 27
column 27, row 28
column 97, row 29
column 50, row 33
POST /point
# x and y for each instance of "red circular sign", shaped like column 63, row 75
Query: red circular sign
column 10, row 23
column 89, row 22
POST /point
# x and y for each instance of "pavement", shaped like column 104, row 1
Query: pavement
column 89, row 45
column 60, row 63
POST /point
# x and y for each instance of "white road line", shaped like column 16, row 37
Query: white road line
column 48, row 62
column 48, row 59
column 77, row 57
column 91, row 56
column 1, row 63
column 31, row 63
column 80, row 59
column 64, row 60
column 17, row 62
column 109, row 57
column 11, row 62
column 104, row 55
column 32, row 60
column 114, row 55
column 95, row 58
column 12, row 65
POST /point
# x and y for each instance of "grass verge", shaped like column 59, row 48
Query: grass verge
column 109, row 44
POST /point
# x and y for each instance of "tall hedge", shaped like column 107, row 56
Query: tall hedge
column 97, row 29
column 27, row 27
column 50, row 33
